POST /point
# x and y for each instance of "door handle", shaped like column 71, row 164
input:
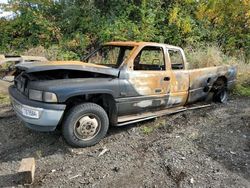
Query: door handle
column 166, row 78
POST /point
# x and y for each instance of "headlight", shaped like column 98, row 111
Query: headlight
column 35, row 95
column 42, row 96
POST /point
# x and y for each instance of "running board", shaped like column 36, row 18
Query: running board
column 124, row 120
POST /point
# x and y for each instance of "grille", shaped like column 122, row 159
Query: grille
column 20, row 83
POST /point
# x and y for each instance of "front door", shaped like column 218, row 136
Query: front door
column 150, row 81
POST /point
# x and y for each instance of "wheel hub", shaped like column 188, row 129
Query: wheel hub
column 86, row 127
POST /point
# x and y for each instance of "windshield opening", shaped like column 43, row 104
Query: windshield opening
column 110, row 55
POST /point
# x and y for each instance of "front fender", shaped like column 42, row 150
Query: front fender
column 71, row 94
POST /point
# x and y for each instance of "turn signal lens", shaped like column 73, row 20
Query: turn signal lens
column 49, row 97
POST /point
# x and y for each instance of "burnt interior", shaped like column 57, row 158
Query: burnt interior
column 61, row 74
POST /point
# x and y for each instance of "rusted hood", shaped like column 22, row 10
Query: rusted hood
column 67, row 65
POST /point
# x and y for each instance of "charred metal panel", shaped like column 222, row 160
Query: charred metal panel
column 202, row 80
column 152, row 89
column 142, row 92
column 150, row 82
column 178, row 88
column 66, row 88
column 131, row 105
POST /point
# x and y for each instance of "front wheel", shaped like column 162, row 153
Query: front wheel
column 85, row 125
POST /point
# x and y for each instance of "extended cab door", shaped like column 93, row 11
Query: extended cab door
column 148, row 82
column 179, row 84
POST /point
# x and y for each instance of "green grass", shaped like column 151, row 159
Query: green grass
column 150, row 127
column 241, row 90
column 147, row 129
column 4, row 99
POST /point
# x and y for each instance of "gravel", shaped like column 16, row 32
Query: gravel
column 207, row 147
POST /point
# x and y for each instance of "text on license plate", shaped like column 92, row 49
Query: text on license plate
column 30, row 113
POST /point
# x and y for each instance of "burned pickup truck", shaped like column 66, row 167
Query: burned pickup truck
column 117, row 84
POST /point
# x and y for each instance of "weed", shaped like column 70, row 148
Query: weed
column 4, row 99
column 149, row 127
column 242, row 90
column 147, row 130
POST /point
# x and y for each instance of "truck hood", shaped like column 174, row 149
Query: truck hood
column 31, row 67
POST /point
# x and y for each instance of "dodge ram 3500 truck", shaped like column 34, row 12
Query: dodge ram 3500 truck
column 117, row 84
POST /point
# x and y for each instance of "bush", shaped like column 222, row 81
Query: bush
column 53, row 53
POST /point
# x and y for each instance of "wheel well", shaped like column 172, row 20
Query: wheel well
column 219, row 83
column 106, row 101
column 222, row 78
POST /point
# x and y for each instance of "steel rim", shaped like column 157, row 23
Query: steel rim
column 223, row 96
column 87, row 127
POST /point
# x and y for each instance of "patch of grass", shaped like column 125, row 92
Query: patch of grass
column 38, row 154
column 242, row 90
column 150, row 127
column 242, row 87
column 204, row 56
column 147, row 130
column 4, row 99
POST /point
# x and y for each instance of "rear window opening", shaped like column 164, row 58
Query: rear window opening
column 176, row 59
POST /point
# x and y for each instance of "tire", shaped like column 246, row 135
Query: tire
column 221, row 96
column 220, row 91
column 85, row 125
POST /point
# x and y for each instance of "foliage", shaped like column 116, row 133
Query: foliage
column 212, row 31
column 75, row 26
column 242, row 90
column 4, row 99
column 207, row 55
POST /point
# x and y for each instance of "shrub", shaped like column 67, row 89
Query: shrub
column 53, row 53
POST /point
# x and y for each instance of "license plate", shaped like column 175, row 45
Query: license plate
column 30, row 113
column 26, row 111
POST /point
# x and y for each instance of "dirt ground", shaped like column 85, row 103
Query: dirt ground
column 200, row 148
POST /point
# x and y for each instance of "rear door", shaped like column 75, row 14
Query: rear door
column 179, row 83
column 150, row 81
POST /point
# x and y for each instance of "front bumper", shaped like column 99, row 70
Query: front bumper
column 38, row 116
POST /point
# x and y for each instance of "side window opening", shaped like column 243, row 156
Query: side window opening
column 176, row 59
column 150, row 58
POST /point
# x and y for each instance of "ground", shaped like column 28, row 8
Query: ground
column 208, row 147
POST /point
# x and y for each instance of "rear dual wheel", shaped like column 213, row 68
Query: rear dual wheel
column 221, row 96
column 85, row 125
column 220, row 91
